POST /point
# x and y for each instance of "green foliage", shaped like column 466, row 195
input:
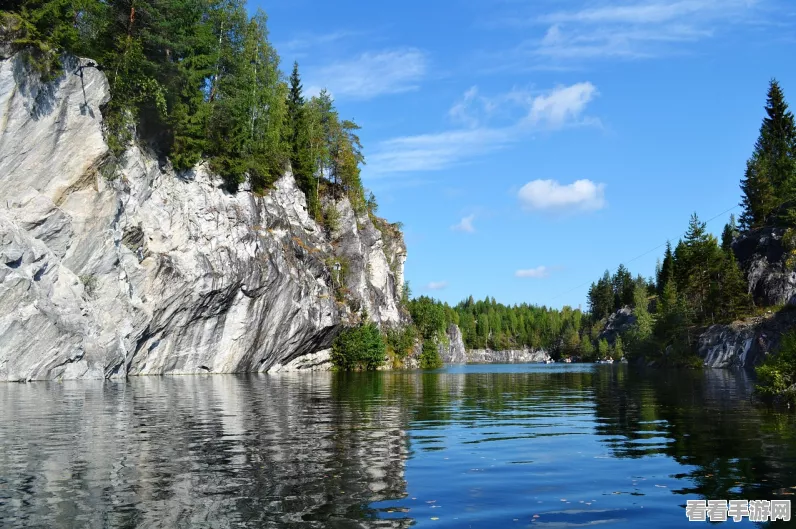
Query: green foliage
column 587, row 352
column 488, row 324
column 360, row 347
column 640, row 335
column 338, row 267
column 618, row 350
column 401, row 342
column 429, row 316
column 406, row 295
column 429, row 357
column 769, row 184
column 603, row 349
column 89, row 284
column 196, row 79
column 777, row 375
column 331, row 219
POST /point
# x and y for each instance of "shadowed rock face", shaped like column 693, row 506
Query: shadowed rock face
column 618, row 323
column 150, row 272
column 746, row 343
column 763, row 256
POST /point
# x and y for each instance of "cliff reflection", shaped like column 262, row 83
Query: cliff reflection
column 219, row 451
column 463, row 447
column 727, row 446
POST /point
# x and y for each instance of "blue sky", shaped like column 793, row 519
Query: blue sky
column 528, row 145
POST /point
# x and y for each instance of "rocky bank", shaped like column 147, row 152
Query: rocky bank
column 114, row 267
column 453, row 351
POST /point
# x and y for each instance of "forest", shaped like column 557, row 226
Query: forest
column 196, row 80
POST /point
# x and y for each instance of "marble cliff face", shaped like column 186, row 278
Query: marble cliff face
column 114, row 267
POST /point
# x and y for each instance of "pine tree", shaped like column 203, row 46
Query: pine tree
column 618, row 349
column 641, row 332
column 667, row 269
column 603, row 349
column 728, row 234
column 300, row 138
column 586, row 349
column 735, row 301
column 769, row 184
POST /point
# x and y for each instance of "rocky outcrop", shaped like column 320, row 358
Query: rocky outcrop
column 114, row 267
column 763, row 255
column 453, row 352
column 744, row 343
column 617, row 324
column 509, row 356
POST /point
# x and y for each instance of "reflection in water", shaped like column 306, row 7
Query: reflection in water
column 475, row 446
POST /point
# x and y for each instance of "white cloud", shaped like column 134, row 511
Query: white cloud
column 432, row 152
column 549, row 195
column 462, row 112
column 373, row 74
column 645, row 12
column 437, row 285
column 562, row 105
column 465, row 225
column 536, row 273
column 305, row 41
column 632, row 29
column 531, row 111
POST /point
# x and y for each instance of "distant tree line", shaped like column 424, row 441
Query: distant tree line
column 489, row 324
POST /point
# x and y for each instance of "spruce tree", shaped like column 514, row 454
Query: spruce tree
column 769, row 184
column 301, row 158
column 618, row 349
column 667, row 268
column 728, row 234
column 735, row 300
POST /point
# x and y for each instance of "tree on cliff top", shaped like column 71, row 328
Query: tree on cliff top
column 769, row 184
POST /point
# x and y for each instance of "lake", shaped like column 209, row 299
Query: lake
column 467, row 446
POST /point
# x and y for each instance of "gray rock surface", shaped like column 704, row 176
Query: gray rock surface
column 618, row 323
column 453, row 352
column 151, row 272
column 763, row 256
column 509, row 356
column 744, row 343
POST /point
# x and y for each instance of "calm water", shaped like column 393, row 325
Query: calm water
column 476, row 446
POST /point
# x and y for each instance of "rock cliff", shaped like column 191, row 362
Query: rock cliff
column 114, row 267
column 509, row 356
column 744, row 343
column 453, row 352
column 763, row 255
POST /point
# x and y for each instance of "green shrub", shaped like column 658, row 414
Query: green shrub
column 360, row 347
column 401, row 341
column 429, row 357
column 777, row 374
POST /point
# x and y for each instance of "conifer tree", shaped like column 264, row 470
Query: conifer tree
column 728, row 234
column 735, row 301
column 301, row 157
column 667, row 268
column 769, row 184
column 586, row 349
column 603, row 349
column 618, row 349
